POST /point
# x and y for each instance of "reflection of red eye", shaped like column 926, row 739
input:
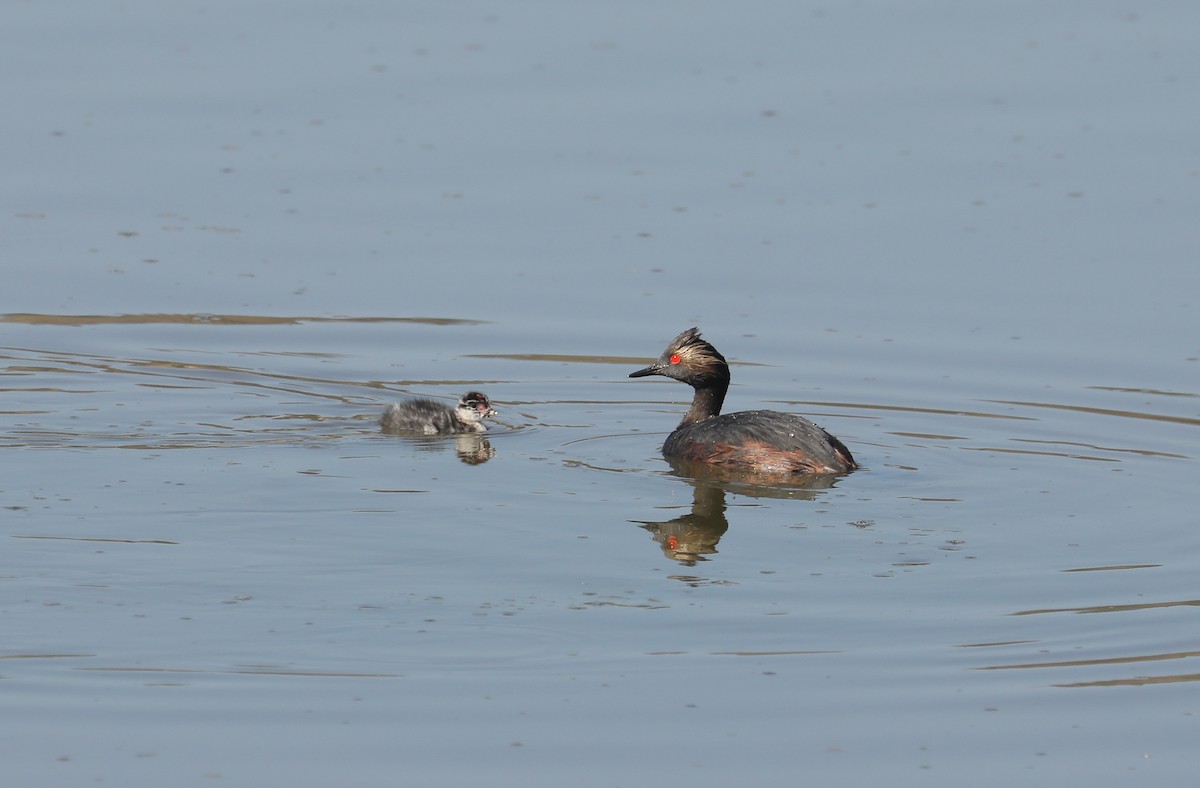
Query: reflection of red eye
column 675, row 359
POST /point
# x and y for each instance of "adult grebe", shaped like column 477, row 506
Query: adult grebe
column 765, row 441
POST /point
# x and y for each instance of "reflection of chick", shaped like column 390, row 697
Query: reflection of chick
column 688, row 538
column 473, row 448
column 426, row 417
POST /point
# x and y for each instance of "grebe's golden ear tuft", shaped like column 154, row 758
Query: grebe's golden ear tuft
column 694, row 352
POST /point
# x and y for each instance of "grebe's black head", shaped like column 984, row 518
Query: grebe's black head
column 474, row 406
column 690, row 359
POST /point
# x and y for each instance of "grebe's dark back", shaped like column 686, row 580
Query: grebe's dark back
column 427, row 417
column 757, row 440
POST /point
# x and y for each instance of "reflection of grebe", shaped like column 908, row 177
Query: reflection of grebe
column 690, row 537
column 426, row 417
column 764, row 441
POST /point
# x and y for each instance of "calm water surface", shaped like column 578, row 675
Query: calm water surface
column 962, row 240
column 206, row 542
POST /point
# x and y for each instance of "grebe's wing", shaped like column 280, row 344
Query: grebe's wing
column 763, row 439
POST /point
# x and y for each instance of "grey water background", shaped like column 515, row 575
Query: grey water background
column 961, row 236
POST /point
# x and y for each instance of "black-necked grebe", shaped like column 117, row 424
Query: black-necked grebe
column 426, row 417
column 756, row 440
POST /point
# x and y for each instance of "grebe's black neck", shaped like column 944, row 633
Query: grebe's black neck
column 710, row 388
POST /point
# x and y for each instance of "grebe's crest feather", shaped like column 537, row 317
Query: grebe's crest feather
column 694, row 352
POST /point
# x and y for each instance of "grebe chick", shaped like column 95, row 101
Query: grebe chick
column 765, row 441
column 427, row 417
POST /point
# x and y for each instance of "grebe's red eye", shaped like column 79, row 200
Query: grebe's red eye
column 675, row 358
